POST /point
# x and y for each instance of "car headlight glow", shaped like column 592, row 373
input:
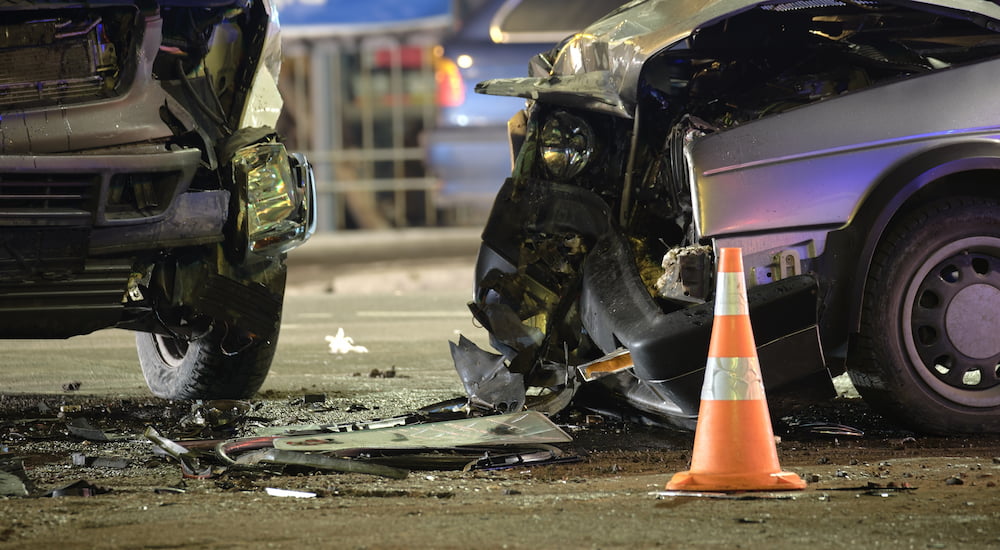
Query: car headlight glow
column 566, row 144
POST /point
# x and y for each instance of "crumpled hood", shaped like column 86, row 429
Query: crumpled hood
column 599, row 68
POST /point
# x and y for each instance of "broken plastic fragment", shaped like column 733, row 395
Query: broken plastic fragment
column 117, row 463
column 343, row 344
column 190, row 467
column 488, row 382
column 288, row 493
column 523, row 428
column 82, row 428
column 322, row 462
column 306, row 429
column 170, row 447
column 214, row 414
column 827, row 429
column 512, row 334
column 13, row 479
column 611, row 363
column 79, row 488
column 521, row 457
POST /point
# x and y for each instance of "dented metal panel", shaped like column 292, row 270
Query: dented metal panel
column 780, row 172
column 621, row 43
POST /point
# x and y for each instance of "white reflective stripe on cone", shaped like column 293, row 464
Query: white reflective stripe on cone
column 731, row 294
column 732, row 379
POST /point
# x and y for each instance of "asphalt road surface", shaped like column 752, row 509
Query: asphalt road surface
column 401, row 295
column 405, row 330
column 881, row 488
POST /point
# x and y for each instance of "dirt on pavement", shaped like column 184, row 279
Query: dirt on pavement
column 886, row 488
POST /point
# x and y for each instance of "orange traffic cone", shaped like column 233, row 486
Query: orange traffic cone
column 734, row 447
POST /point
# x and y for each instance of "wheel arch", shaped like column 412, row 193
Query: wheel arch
column 971, row 168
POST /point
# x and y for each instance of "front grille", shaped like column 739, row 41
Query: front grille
column 45, row 253
column 93, row 190
column 54, row 305
column 27, row 199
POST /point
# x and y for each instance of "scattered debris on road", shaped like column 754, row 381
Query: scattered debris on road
column 387, row 448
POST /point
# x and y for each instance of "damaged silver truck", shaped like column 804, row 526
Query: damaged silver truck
column 850, row 148
column 143, row 186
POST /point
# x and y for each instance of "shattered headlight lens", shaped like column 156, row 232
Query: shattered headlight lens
column 277, row 201
column 566, row 144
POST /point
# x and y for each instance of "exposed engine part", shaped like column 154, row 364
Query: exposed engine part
column 687, row 274
column 61, row 59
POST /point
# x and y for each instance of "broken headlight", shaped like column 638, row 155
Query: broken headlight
column 277, row 207
column 566, row 144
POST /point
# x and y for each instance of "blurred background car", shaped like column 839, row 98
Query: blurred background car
column 467, row 148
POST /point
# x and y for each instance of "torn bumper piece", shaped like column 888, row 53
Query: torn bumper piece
column 667, row 350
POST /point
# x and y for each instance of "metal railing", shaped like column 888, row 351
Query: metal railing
column 357, row 107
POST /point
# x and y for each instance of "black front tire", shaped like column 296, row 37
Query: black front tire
column 219, row 365
column 928, row 352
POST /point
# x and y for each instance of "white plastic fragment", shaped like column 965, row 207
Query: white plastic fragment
column 274, row 492
column 343, row 344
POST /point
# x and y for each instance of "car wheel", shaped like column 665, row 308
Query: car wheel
column 928, row 351
column 214, row 366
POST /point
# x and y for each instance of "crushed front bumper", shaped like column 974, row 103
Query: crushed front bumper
column 616, row 310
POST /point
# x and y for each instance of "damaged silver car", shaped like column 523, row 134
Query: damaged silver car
column 850, row 148
column 143, row 186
